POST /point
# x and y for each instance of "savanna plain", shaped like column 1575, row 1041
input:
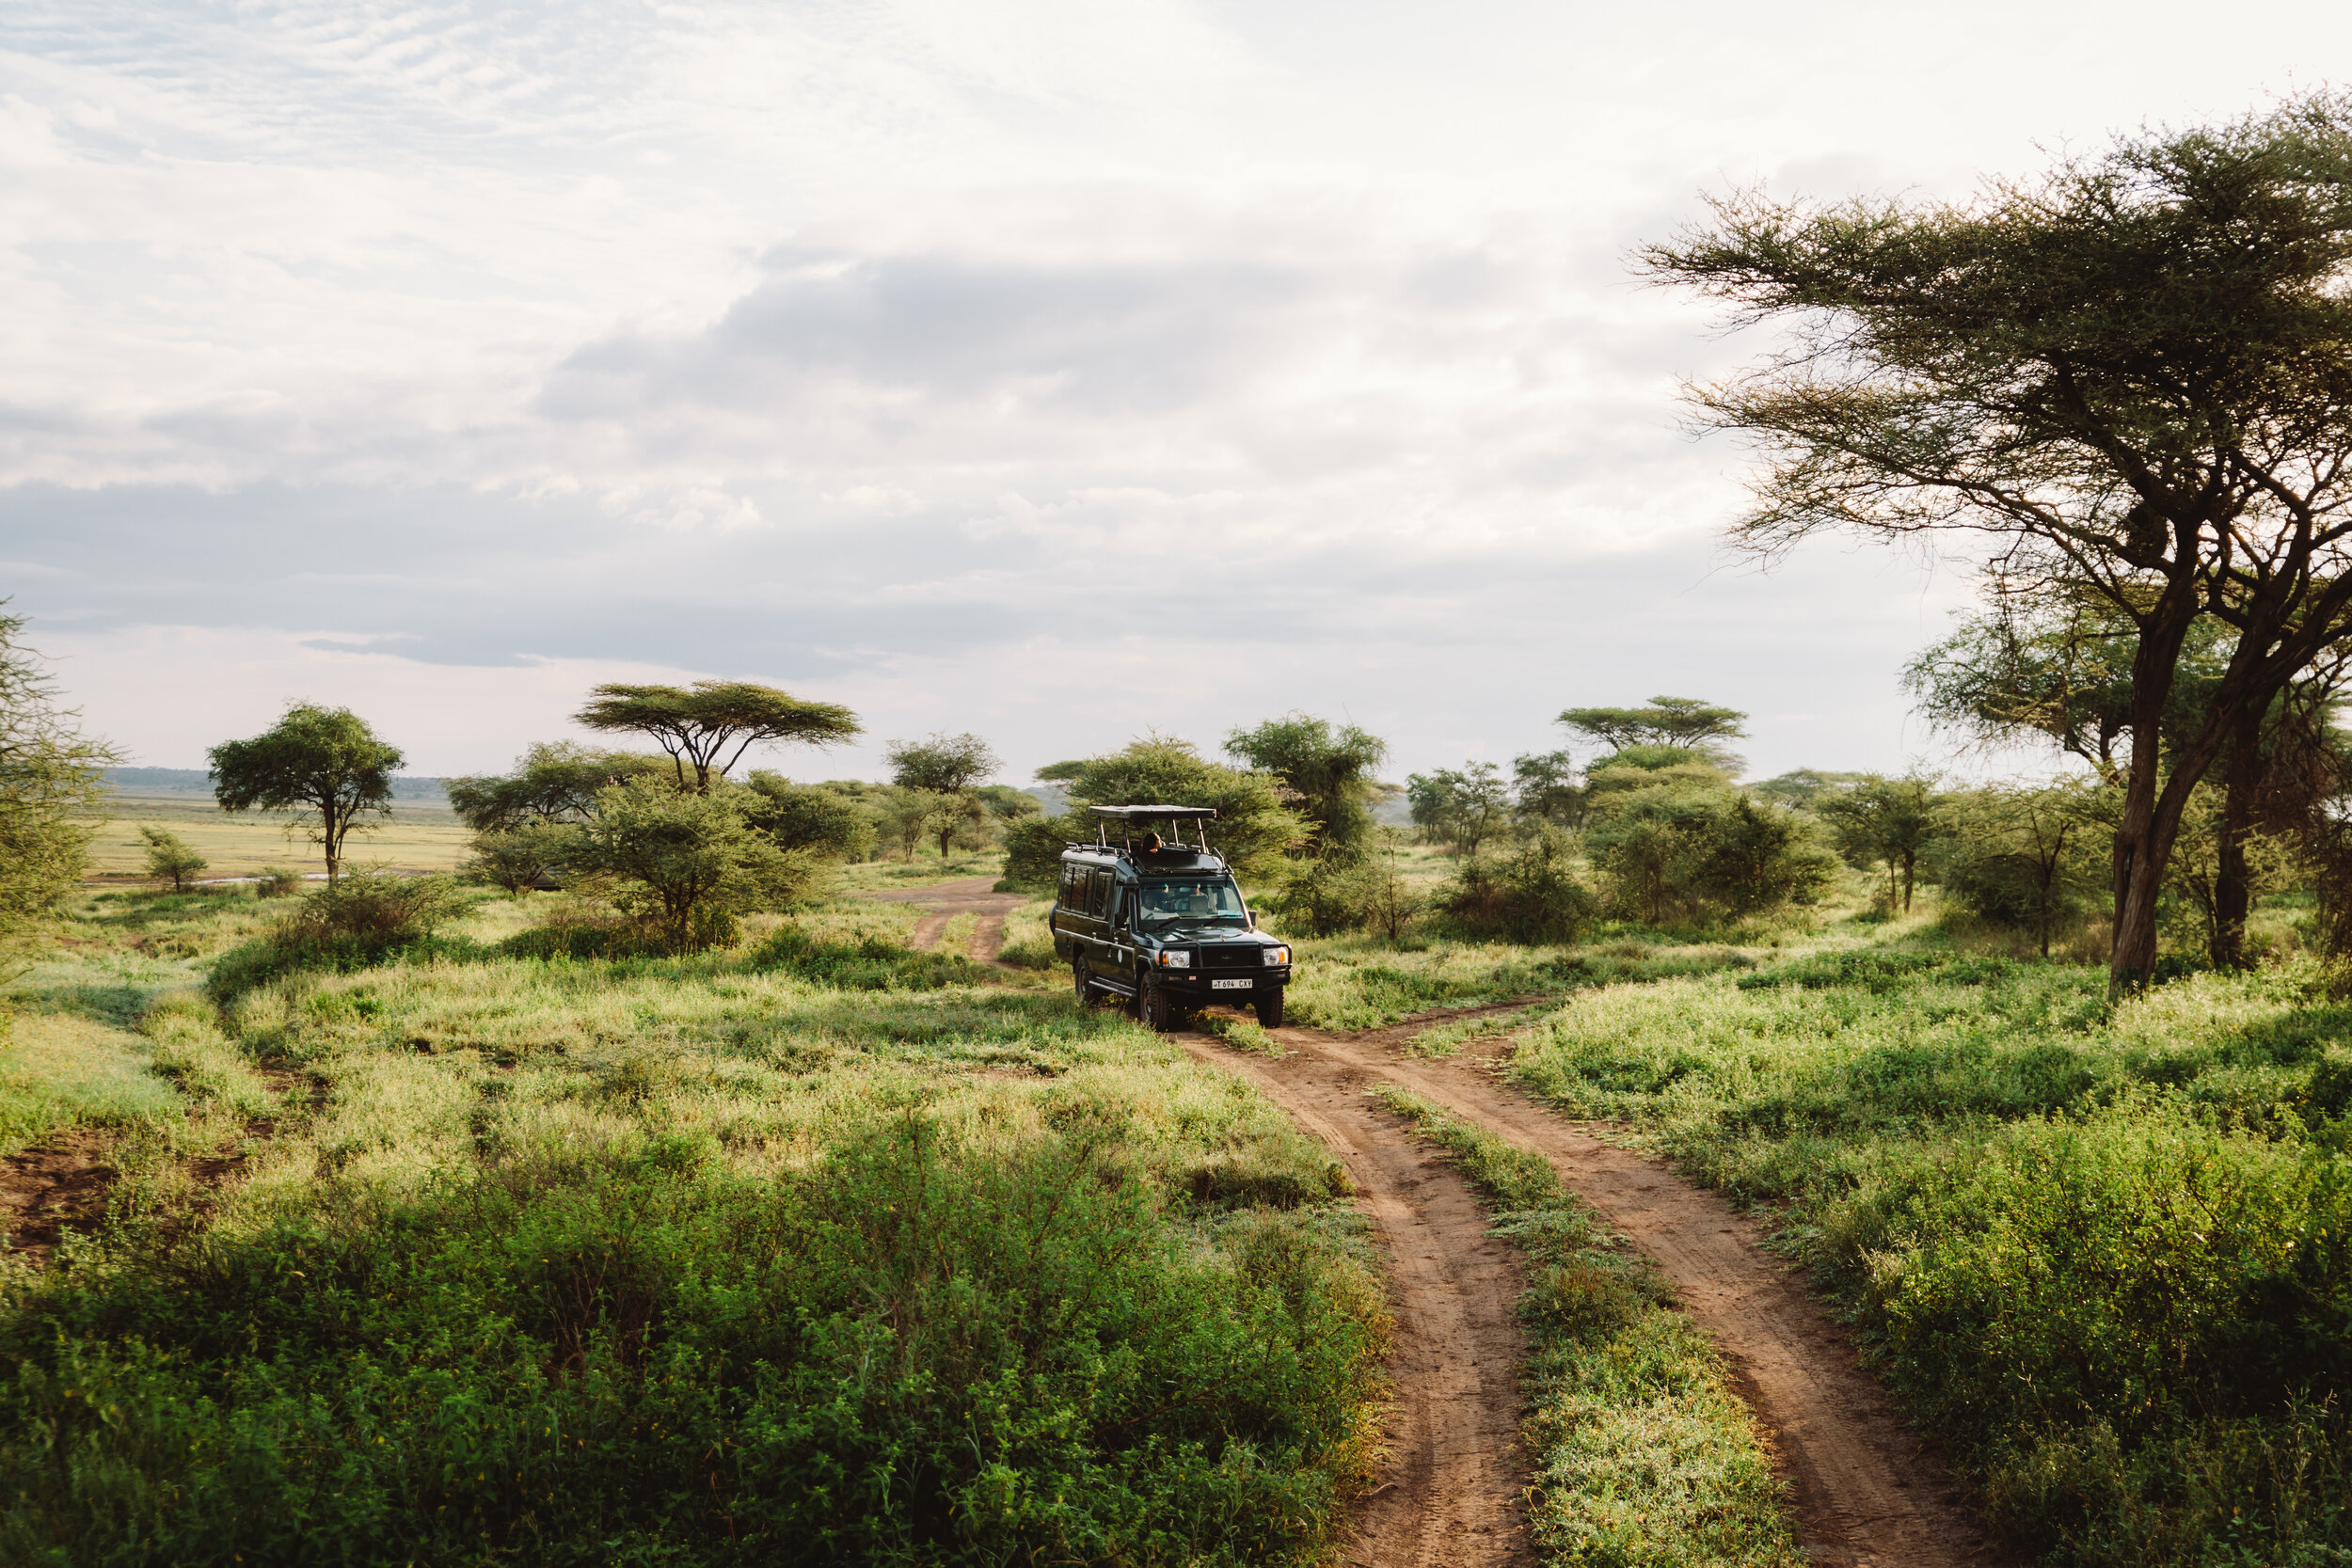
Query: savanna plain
column 820, row 1248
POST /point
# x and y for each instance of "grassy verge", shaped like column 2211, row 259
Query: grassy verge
column 810, row 1250
column 1366, row 982
column 2104, row 1254
column 1642, row 1451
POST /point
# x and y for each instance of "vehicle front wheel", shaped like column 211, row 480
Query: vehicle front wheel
column 1083, row 973
column 1154, row 1008
column 1269, row 1005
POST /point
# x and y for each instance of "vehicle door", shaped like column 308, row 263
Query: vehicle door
column 1119, row 956
column 1100, row 952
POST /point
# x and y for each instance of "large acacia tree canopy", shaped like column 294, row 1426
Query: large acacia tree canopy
column 2137, row 356
column 2135, row 373
column 699, row 725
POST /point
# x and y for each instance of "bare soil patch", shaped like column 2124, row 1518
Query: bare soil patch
column 57, row 1187
column 1866, row 1489
column 945, row 901
column 1450, row 1488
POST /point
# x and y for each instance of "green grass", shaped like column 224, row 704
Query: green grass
column 813, row 1248
column 1642, row 1451
column 2100, row 1252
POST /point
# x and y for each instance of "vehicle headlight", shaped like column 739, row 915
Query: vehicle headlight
column 1175, row 958
column 1278, row 954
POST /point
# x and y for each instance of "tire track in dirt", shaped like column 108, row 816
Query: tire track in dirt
column 1866, row 1492
column 1450, row 1489
column 944, row 901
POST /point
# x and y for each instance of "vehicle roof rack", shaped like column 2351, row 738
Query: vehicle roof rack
column 1155, row 813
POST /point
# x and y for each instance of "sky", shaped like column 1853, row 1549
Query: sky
column 1062, row 370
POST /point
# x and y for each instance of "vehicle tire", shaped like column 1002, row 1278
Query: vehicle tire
column 1082, row 973
column 1269, row 1006
column 1153, row 1008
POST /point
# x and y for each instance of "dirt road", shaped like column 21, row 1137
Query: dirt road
column 1450, row 1496
column 1865, row 1491
column 946, row 900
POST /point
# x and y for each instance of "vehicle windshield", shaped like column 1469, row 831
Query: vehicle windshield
column 1210, row 898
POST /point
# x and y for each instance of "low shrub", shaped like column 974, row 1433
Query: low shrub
column 1530, row 895
column 354, row 922
column 913, row 1352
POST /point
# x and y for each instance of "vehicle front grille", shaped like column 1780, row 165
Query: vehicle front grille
column 1232, row 957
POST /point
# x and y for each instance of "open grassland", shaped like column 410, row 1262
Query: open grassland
column 736, row 1258
column 412, row 838
column 821, row 1247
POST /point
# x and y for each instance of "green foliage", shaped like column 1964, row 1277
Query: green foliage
column 170, row 857
column 869, row 963
column 352, row 923
column 278, row 881
column 1254, row 831
column 1878, row 821
column 708, row 727
column 554, row 782
column 1530, row 895
column 1459, row 807
column 521, row 857
column 916, row 1352
column 1676, row 843
column 2102, row 1251
column 819, row 818
column 944, row 763
column 1803, row 786
column 1327, row 768
column 1676, row 724
column 1327, row 894
column 1544, row 789
column 323, row 763
column 686, row 864
column 50, row 778
column 2023, row 856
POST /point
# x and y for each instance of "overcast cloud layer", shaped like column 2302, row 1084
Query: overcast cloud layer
column 1056, row 370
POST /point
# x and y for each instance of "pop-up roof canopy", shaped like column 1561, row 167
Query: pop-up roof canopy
column 1156, row 814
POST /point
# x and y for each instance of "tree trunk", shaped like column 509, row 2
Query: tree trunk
column 1911, row 868
column 2232, row 884
column 2143, row 840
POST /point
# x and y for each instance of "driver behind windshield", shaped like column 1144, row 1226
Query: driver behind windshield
column 1207, row 900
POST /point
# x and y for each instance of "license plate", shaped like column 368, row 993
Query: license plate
column 1230, row 985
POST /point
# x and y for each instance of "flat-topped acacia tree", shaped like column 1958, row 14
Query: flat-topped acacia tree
column 2132, row 376
column 324, row 762
column 698, row 725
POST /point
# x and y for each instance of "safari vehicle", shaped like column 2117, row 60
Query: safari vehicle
column 1161, row 922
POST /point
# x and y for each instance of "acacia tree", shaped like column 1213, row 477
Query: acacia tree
column 947, row 767
column 52, row 779
column 1328, row 767
column 555, row 781
column 1883, row 822
column 701, row 725
column 323, row 763
column 1684, row 723
column 2132, row 376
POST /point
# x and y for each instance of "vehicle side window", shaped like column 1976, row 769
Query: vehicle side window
column 1099, row 896
column 1069, row 886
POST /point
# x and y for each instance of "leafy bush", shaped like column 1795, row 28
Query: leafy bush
column 279, row 881
column 354, row 922
column 1532, row 895
column 520, row 858
column 687, row 862
column 912, row 1353
column 1688, row 850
